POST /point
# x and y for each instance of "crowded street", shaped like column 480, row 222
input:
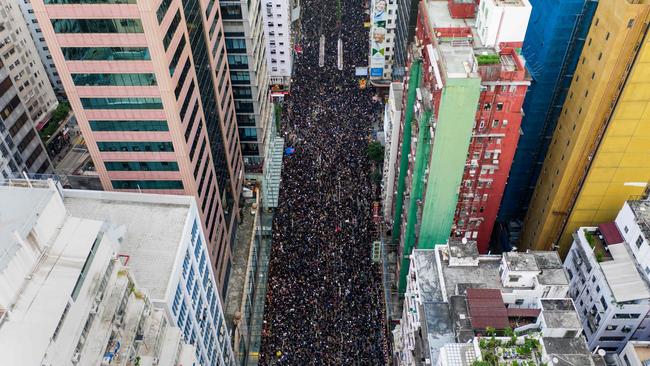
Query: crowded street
column 324, row 304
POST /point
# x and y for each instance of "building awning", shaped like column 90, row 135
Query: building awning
column 610, row 233
column 486, row 309
column 622, row 276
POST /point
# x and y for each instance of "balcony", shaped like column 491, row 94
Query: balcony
column 505, row 66
column 592, row 237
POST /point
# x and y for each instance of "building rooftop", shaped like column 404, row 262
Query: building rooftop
column 521, row 261
column 438, row 12
column 569, row 352
column 487, row 309
column 547, row 260
column 153, row 226
column 460, row 354
column 641, row 210
column 509, row 3
column 460, row 249
column 622, row 276
column 440, row 330
column 459, row 278
column 610, row 233
column 560, row 313
column 19, row 211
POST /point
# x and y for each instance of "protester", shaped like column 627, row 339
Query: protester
column 324, row 300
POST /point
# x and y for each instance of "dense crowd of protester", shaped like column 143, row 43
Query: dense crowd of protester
column 324, row 301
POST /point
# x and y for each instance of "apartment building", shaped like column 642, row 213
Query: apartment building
column 460, row 125
column 454, row 294
column 150, row 87
column 277, row 23
column 596, row 159
column 383, row 22
column 247, row 57
column 106, row 278
column 41, row 46
column 609, row 270
column 392, row 118
column 26, row 97
column 24, row 65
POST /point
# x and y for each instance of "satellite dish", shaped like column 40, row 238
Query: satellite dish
column 463, row 240
column 602, row 352
column 556, row 360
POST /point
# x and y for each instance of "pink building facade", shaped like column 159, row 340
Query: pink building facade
column 150, row 86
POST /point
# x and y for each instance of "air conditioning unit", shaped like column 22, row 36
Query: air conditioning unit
column 155, row 361
column 75, row 357
column 95, row 308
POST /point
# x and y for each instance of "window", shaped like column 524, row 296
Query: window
column 238, row 61
column 611, row 339
column 235, row 45
column 149, row 146
column 495, row 123
column 627, row 316
column 240, row 77
column 88, row 2
column 177, row 56
column 97, row 25
column 519, row 302
column 611, row 327
column 121, row 103
column 242, row 92
column 172, row 29
column 114, row 79
column 513, row 278
column 230, row 12
column 105, row 53
column 162, row 10
column 182, row 78
column 499, row 106
column 147, row 184
column 607, row 36
column 626, row 229
column 125, row 125
column 141, row 165
column 639, row 241
column 603, row 302
column 248, row 134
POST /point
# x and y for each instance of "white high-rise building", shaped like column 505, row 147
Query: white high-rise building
column 93, row 278
column 24, row 65
column 609, row 267
column 41, row 47
column 279, row 46
column 392, row 119
column 26, row 97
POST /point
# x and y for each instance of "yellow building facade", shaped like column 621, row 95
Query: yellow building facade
column 600, row 153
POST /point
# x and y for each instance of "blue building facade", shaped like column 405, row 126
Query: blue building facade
column 552, row 46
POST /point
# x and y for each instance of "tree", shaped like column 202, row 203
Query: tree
column 375, row 151
column 60, row 112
